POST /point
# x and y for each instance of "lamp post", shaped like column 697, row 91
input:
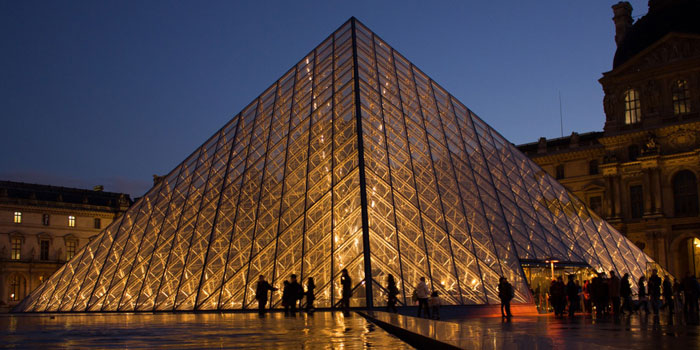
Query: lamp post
column 551, row 262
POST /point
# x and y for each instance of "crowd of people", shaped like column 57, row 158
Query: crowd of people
column 602, row 295
column 610, row 295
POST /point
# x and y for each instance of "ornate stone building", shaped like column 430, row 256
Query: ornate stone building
column 641, row 172
column 41, row 227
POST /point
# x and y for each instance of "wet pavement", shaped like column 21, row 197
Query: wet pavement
column 547, row 332
column 323, row 330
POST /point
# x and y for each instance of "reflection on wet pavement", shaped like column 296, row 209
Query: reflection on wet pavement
column 324, row 330
column 547, row 332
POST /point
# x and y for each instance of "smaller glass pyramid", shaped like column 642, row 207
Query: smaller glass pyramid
column 354, row 159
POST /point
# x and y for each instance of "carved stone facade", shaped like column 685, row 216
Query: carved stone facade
column 41, row 227
column 642, row 172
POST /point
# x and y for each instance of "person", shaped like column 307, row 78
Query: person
column 654, row 290
column 626, row 293
column 642, row 295
column 261, row 293
column 294, row 292
column 587, row 295
column 434, row 303
column 572, row 295
column 691, row 290
column 505, row 293
column 286, row 298
column 614, row 293
column 310, row 297
column 557, row 293
column 668, row 294
column 392, row 292
column 422, row 293
column 346, row 284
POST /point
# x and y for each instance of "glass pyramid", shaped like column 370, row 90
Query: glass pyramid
column 353, row 159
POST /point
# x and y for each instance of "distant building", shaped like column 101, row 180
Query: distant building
column 641, row 173
column 41, row 227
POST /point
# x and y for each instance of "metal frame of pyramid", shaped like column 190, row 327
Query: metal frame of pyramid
column 353, row 159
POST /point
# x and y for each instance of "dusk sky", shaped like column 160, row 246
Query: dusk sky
column 110, row 93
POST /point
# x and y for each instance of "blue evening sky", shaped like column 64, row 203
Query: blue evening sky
column 111, row 92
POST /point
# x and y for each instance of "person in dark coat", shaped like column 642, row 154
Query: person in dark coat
column 310, row 297
column 392, row 293
column 654, row 290
column 346, row 283
column 296, row 293
column 626, row 293
column 261, row 293
column 287, row 300
column 642, row 295
column 572, row 295
column 668, row 294
column 506, row 294
column 691, row 291
column 614, row 293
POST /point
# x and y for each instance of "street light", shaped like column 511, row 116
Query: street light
column 551, row 262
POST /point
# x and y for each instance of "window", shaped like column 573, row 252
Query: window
column 593, row 167
column 44, row 250
column 633, row 111
column 636, row 202
column 45, row 219
column 681, row 97
column 560, row 171
column 18, row 217
column 15, row 288
column 16, row 248
column 632, row 153
column 596, row 204
column 98, row 223
column 685, row 193
column 70, row 249
column 71, row 221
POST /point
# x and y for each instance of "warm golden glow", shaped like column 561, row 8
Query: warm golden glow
column 18, row 217
column 71, row 221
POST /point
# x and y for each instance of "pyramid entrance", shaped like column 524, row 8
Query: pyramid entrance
column 354, row 159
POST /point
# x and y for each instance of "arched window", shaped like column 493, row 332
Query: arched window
column 681, row 97
column 685, row 193
column 633, row 110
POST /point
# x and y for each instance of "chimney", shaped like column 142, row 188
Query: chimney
column 622, row 19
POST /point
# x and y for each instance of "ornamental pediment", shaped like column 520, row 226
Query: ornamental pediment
column 671, row 48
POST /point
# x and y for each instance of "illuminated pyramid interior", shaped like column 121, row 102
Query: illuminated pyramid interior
column 353, row 159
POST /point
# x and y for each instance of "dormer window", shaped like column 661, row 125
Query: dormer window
column 633, row 110
column 681, row 97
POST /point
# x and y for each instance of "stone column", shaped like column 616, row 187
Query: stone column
column 616, row 188
column 646, row 190
column 656, row 184
column 609, row 206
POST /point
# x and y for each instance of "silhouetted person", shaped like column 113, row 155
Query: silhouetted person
column 691, row 290
column 287, row 299
column 642, row 295
column 614, row 293
column 392, row 292
column 572, row 295
column 422, row 293
column 261, row 293
column 310, row 297
column 600, row 293
column 346, row 283
column 654, row 290
column 434, row 303
column 557, row 294
column 668, row 294
column 626, row 293
column 296, row 293
column 505, row 293
column 587, row 295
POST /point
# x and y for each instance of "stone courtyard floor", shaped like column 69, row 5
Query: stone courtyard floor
column 329, row 330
